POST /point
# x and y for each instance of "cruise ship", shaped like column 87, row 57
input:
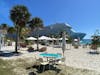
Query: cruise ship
column 56, row 28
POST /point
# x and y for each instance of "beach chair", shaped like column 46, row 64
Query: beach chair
column 43, row 63
column 61, row 61
column 52, row 62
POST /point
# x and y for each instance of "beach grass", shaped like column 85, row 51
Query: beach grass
column 5, row 68
column 18, row 67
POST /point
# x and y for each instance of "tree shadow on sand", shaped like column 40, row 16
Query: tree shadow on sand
column 32, row 73
column 9, row 54
column 93, row 52
column 32, row 50
column 39, row 69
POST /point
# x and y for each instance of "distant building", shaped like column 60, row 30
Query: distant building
column 57, row 28
column 3, row 32
column 2, row 36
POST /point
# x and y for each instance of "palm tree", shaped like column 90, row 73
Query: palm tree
column 95, row 42
column 20, row 16
column 24, row 32
column 35, row 24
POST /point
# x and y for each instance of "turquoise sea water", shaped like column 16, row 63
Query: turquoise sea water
column 86, row 41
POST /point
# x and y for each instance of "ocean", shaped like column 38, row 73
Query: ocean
column 86, row 41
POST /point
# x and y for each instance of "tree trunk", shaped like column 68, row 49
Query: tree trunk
column 19, row 37
column 16, row 44
column 37, row 39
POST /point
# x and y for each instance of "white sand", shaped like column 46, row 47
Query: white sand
column 79, row 58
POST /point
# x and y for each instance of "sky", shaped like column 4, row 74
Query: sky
column 82, row 15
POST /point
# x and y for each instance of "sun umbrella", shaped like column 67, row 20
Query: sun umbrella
column 75, row 39
column 31, row 38
column 44, row 38
column 62, row 38
column 53, row 38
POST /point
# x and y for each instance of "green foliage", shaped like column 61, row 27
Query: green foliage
column 36, row 22
column 11, row 30
column 70, row 40
column 19, row 15
column 95, row 40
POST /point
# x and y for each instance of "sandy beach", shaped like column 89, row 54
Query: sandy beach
column 78, row 58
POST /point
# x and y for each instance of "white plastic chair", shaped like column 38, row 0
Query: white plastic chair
column 61, row 61
column 42, row 63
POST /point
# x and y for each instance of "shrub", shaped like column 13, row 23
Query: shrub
column 42, row 49
column 23, row 45
column 30, row 49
